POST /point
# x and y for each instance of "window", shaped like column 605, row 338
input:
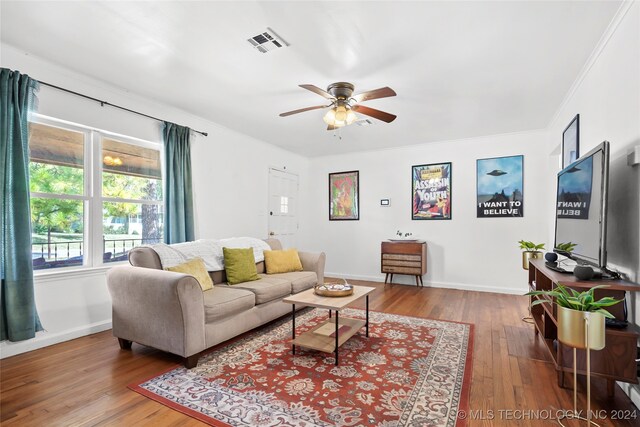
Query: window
column 94, row 196
column 131, row 198
column 284, row 204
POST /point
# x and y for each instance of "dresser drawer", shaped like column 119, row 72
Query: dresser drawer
column 402, row 257
column 398, row 263
column 402, row 248
column 401, row 270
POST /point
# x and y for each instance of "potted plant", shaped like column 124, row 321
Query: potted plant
column 573, row 309
column 530, row 250
column 580, row 325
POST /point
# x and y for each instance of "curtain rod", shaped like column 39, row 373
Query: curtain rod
column 103, row 103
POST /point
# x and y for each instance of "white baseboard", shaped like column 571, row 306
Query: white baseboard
column 445, row 285
column 45, row 339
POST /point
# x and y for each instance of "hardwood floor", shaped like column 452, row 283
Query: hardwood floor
column 84, row 381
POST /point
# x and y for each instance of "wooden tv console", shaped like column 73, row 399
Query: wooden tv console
column 617, row 360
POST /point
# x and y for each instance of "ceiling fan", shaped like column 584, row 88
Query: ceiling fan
column 345, row 104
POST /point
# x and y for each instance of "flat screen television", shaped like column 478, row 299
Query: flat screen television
column 581, row 207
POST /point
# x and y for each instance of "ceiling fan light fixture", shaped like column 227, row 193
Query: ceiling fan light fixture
column 343, row 102
column 340, row 116
column 330, row 117
column 351, row 116
column 341, row 113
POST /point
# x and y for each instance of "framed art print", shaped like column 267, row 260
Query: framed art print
column 431, row 191
column 571, row 142
column 344, row 196
column 499, row 184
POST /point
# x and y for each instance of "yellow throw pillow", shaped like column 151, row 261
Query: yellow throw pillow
column 240, row 265
column 197, row 269
column 282, row 261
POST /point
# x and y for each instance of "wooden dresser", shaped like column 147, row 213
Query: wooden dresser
column 408, row 257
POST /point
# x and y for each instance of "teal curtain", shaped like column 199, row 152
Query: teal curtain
column 18, row 318
column 178, row 194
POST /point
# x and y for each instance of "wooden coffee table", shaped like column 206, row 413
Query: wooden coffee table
column 320, row 338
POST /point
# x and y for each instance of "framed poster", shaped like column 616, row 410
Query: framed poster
column 571, row 142
column 431, row 191
column 499, row 183
column 344, row 196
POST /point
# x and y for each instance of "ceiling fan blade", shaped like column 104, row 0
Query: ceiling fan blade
column 376, row 114
column 316, row 89
column 383, row 92
column 302, row 110
column 331, row 127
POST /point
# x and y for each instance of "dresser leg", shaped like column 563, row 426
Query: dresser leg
column 417, row 281
column 386, row 277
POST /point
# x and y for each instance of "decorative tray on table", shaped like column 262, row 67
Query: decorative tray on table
column 334, row 289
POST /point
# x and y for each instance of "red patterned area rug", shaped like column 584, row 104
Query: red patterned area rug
column 409, row 372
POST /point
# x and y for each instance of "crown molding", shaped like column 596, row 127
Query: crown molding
column 595, row 54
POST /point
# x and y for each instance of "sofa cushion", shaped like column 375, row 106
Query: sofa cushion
column 240, row 265
column 195, row 268
column 300, row 280
column 283, row 261
column 224, row 301
column 266, row 288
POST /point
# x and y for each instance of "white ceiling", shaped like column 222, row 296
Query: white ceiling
column 461, row 69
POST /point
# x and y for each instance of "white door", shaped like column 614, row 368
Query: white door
column 283, row 207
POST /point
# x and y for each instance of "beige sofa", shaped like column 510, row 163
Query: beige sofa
column 170, row 312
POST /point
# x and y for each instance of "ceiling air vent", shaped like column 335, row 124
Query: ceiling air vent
column 364, row 122
column 267, row 41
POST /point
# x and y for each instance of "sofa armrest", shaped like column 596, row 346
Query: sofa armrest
column 158, row 308
column 313, row 261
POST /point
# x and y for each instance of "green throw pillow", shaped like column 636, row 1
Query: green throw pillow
column 240, row 265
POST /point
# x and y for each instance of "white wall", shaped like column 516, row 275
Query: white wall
column 607, row 97
column 230, row 173
column 465, row 252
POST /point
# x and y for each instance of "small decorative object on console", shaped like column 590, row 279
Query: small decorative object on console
column 551, row 256
column 402, row 237
column 334, row 289
column 583, row 272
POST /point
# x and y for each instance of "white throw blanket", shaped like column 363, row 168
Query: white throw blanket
column 209, row 250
